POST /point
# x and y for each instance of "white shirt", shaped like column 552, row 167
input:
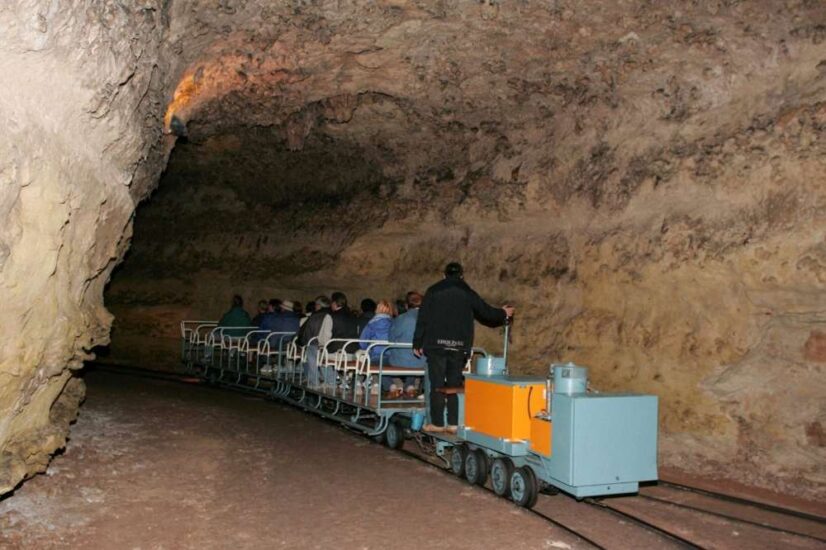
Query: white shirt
column 326, row 332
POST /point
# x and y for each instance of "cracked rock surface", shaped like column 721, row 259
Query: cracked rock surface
column 80, row 144
column 644, row 180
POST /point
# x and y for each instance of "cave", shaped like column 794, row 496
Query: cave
column 644, row 181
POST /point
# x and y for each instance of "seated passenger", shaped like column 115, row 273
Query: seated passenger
column 237, row 316
column 285, row 321
column 308, row 311
column 266, row 319
column 401, row 331
column 345, row 324
column 368, row 309
column 263, row 309
column 319, row 325
column 379, row 329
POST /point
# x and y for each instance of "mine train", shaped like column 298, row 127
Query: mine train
column 526, row 434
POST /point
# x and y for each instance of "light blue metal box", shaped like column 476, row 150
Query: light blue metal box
column 603, row 444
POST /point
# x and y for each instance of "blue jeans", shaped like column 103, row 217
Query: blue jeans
column 329, row 376
column 311, row 366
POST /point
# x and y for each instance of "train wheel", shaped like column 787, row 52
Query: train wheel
column 394, row 435
column 457, row 460
column 500, row 476
column 523, row 487
column 476, row 467
column 534, row 485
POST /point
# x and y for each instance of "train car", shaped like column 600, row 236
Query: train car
column 272, row 364
column 526, row 434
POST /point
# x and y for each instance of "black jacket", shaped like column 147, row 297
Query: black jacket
column 447, row 313
column 312, row 326
column 345, row 325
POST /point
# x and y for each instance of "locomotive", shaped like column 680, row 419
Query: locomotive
column 533, row 434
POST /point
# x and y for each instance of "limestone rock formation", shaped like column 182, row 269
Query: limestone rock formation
column 81, row 108
column 645, row 180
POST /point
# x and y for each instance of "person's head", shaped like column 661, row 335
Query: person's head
column 273, row 304
column 310, row 307
column 286, row 305
column 339, row 301
column 413, row 299
column 385, row 306
column 297, row 307
column 368, row 306
column 454, row 270
column 237, row 301
column 322, row 302
column 262, row 306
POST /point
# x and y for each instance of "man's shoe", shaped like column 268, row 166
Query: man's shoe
column 433, row 428
column 452, row 429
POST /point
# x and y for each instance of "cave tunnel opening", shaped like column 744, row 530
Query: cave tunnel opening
column 648, row 193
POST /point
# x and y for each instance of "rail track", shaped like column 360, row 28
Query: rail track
column 665, row 515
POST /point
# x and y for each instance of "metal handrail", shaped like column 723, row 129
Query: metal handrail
column 340, row 353
column 387, row 346
column 185, row 331
column 264, row 347
column 401, row 371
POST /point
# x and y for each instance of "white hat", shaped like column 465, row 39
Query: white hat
column 287, row 305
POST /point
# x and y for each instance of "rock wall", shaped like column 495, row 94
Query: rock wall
column 80, row 111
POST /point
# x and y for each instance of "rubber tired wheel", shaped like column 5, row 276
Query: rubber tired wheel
column 457, row 460
column 476, row 467
column 500, row 476
column 394, row 436
column 524, row 490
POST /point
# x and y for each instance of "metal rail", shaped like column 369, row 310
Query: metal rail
column 530, row 510
column 731, row 518
column 744, row 501
column 645, row 525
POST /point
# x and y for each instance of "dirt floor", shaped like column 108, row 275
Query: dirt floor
column 154, row 464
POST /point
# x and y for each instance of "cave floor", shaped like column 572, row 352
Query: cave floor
column 154, row 463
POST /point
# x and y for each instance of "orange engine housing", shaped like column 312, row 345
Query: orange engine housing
column 503, row 406
column 541, row 433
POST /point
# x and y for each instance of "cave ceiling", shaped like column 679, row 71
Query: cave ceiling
column 591, row 99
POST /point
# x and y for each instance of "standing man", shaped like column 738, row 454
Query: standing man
column 444, row 334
